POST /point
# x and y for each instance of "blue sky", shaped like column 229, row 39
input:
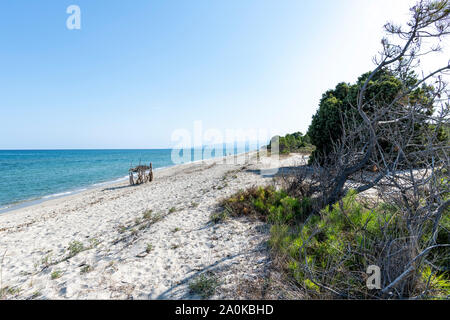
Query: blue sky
column 138, row 70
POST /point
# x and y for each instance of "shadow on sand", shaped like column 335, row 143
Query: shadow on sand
column 119, row 187
column 283, row 171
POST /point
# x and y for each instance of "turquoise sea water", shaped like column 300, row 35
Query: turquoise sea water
column 43, row 174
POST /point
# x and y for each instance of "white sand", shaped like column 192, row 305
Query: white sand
column 104, row 220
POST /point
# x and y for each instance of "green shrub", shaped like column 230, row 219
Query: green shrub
column 326, row 128
column 335, row 247
column 295, row 142
column 267, row 204
column 204, row 285
column 340, row 243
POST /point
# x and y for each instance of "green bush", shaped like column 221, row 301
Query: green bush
column 339, row 244
column 326, row 125
column 267, row 204
column 295, row 142
column 204, row 285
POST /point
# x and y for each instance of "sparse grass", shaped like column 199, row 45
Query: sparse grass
column 176, row 229
column 194, row 204
column 231, row 174
column 149, row 248
column 46, row 261
column 9, row 291
column 75, row 247
column 56, row 274
column 93, row 243
column 139, row 224
column 36, row 294
column 157, row 217
column 86, row 268
column 172, row 210
column 147, row 214
column 218, row 217
column 222, row 186
column 204, row 285
column 142, row 227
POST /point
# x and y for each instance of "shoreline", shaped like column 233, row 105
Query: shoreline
column 8, row 208
column 139, row 242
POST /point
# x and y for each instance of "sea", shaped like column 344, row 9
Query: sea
column 30, row 176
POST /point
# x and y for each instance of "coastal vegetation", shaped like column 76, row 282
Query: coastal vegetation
column 75, row 247
column 336, row 109
column 8, row 291
column 149, row 248
column 339, row 243
column 217, row 217
column 373, row 200
column 204, row 285
column 294, row 142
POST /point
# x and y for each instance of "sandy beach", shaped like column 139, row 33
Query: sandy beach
column 138, row 242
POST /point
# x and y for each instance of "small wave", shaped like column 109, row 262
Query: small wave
column 109, row 182
column 66, row 193
column 120, row 179
column 58, row 195
column 100, row 184
column 5, row 207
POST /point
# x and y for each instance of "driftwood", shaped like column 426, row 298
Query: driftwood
column 144, row 174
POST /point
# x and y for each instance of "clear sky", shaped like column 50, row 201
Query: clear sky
column 138, row 70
